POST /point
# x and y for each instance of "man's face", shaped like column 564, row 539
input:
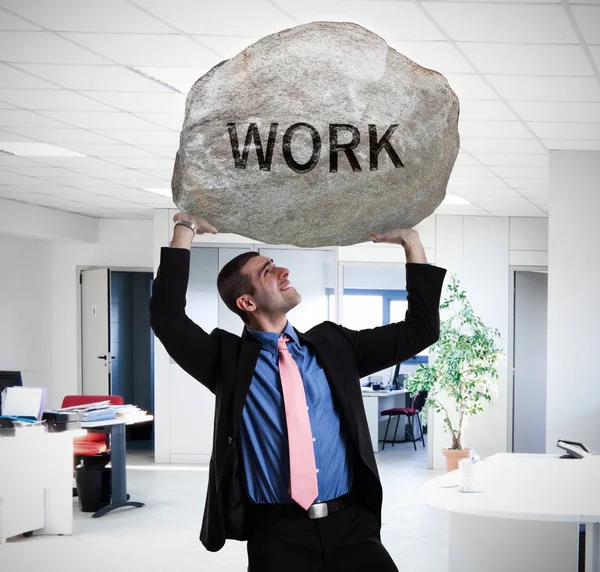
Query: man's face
column 274, row 295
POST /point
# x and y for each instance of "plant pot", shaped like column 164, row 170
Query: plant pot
column 453, row 456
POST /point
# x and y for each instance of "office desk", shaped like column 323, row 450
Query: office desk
column 36, row 482
column 377, row 401
column 118, row 460
column 527, row 518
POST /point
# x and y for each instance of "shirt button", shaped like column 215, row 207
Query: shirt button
column 317, row 470
column 314, row 439
column 230, row 439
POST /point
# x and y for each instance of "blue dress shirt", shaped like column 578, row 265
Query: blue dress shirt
column 263, row 431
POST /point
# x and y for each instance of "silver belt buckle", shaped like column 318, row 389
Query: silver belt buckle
column 318, row 510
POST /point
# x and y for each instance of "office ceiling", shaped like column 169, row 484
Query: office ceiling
column 78, row 75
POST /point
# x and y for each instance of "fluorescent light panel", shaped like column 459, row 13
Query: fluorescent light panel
column 454, row 200
column 36, row 150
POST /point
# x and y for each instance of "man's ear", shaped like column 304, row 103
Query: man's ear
column 246, row 303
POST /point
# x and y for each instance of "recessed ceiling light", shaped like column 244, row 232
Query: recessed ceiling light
column 455, row 200
column 163, row 192
column 36, row 150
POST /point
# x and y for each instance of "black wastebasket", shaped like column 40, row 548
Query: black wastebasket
column 93, row 488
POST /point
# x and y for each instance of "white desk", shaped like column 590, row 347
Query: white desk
column 527, row 518
column 377, row 401
column 36, row 482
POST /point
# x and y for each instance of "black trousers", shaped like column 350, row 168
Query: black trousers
column 345, row 541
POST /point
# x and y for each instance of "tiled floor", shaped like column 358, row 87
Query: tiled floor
column 163, row 535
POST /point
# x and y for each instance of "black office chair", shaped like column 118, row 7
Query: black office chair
column 410, row 412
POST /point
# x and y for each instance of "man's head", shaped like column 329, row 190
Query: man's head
column 251, row 285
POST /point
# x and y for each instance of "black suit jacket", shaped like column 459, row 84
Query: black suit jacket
column 225, row 363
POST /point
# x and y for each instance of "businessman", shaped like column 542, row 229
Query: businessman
column 292, row 470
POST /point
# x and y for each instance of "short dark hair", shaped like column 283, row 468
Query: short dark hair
column 233, row 283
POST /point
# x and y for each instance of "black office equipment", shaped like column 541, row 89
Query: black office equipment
column 9, row 379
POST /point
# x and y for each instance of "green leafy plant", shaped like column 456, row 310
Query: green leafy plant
column 463, row 368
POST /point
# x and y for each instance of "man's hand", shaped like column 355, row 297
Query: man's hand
column 184, row 235
column 409, row 239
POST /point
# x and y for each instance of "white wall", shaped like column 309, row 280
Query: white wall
column 26, row 336
column 39, row 286
column 573, row 388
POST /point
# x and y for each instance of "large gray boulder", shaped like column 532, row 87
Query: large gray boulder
column 315, row 136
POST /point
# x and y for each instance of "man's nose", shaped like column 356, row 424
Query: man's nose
column 282, row 272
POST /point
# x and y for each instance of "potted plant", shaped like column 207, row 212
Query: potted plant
column 462, row 371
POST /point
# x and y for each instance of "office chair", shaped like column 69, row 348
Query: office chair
column 411, row 412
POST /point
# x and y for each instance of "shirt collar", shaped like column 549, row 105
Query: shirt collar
column 268, row 340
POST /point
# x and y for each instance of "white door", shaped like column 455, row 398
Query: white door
column 529, row 395
column 95, row 331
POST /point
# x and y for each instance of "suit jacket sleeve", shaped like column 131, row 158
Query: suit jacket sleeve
column 188, row 344
column 382, row 347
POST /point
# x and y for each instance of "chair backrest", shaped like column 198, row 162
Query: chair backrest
column 72, row 400
column 419, row 400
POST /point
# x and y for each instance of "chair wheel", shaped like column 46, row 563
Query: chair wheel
column 28, row 534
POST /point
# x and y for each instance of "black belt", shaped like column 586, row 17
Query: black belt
column 317, row 510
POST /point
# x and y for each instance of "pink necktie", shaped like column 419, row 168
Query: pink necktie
column 303, row 471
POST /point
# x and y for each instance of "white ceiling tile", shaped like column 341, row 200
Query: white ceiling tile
column 100, row 78
column 11, row 77
column 51, row 99
column 108, row 150
column 587, row 18
column 60, row 135
column 572, row 145
column 164, row 174
column 522, row 172
column 518, row 22
column 476, row 182
column 10, row 22
column 527, row 59
column 493, row 129
column 43, row 171
column 180, row 78
column 523, row 88
column 168, row 120
column 87, row 16
column 138, row 183
column 390, row 20
column 460, row 210
column 595, row 51
column 74, row 163
column 142, row 137
column 475, row 194
column 100, row 120
column 93, row 184
column 116, row 173
column 162, row 150
column 438, row 56
column 24, row 118
column 141, row 102
column 4, row 105
column 127, row 193
column 504, row 202
column 227, row 46
column 45, row 48
column 6, row 135
column 461, row 171
column 220, row 18
column 465, row 160
column 167, row 50
column 570, row 131
column 535, row 193
column 525, row 211
column 476, row 145
column 517, row 183
column 142, row 164
column 470, row 86
column 513, row 159
column 10, row 162
column 572, row 111
column 485, row 110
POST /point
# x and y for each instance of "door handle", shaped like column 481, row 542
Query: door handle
column 105, row 357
